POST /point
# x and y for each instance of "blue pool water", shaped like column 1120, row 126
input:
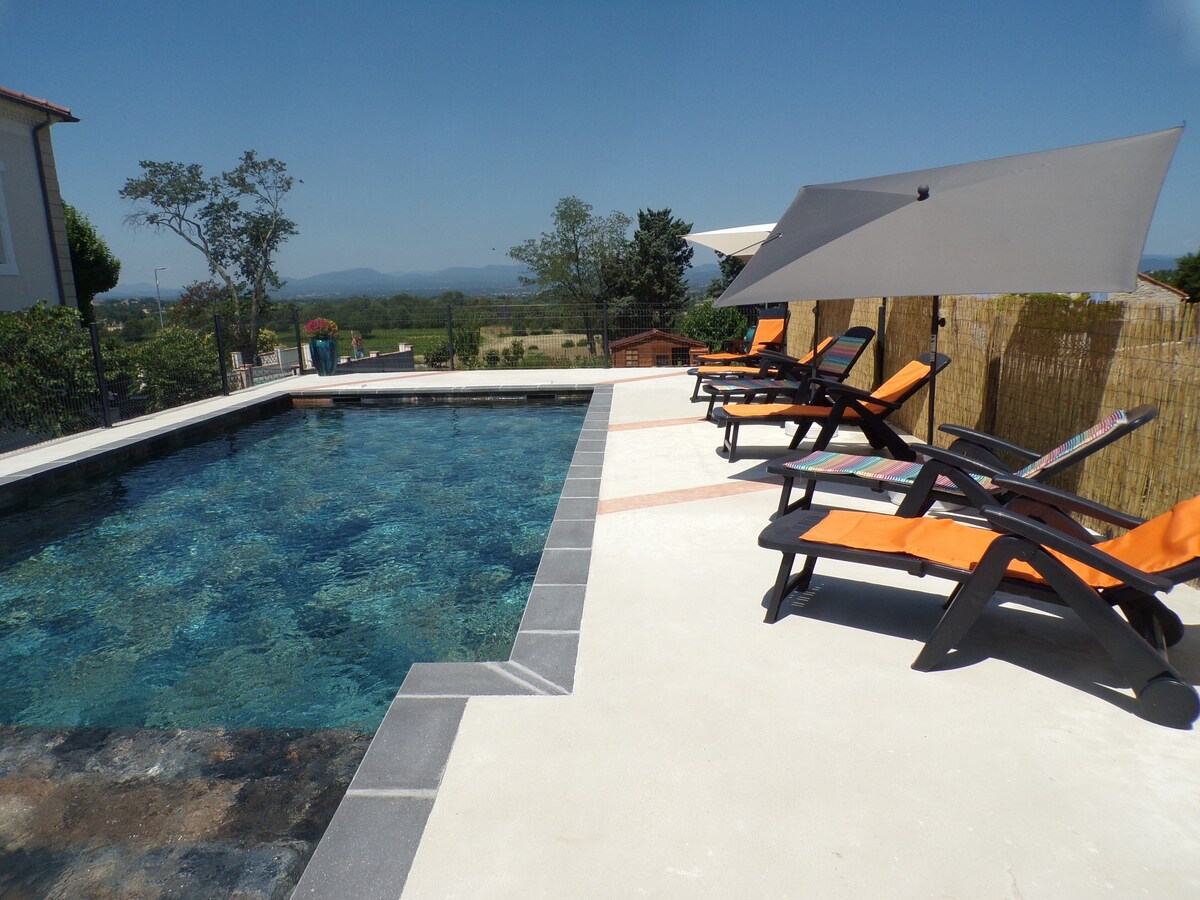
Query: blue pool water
column 284, row 575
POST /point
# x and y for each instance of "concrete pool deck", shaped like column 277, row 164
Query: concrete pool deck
column 694, row 751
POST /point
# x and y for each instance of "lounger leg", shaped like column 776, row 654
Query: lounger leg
column 780, row 589
column 969, row 600
column 828, row 430
column 802, row 428
column 696, row 389
column 731, row 436
column 785, row 583
column 810, row 488
column 1161, row 691
column 785, row 495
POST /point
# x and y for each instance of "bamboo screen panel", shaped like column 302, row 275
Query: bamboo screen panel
column 1037, row 370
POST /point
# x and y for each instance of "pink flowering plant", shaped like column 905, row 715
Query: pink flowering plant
column 321, row 329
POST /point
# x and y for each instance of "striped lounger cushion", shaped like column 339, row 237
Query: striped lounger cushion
column 895, row 472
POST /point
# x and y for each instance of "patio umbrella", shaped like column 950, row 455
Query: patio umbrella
column 741, row 242
column 1067, row 220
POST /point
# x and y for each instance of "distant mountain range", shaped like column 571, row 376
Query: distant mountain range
column 478, row 281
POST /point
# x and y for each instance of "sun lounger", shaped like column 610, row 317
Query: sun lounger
column 769, row 333
column 770, row 365
column 1021, row 555
column 965, row 477
column 846, row 406
column 833, row 364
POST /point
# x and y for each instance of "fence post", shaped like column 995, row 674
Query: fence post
column 299, row 349
column 604, row 333
column 881, row 343
column 101, row 383
column 450, row 332
column 221, row 355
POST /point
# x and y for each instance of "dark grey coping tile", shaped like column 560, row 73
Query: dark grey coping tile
column 412, row 744
column 576, row 508
column 581, row 487
column 584, row 471
column 589, row 446
column 560, row 566
column 551, row 655
column 554, row 607
column 367, row 851
column 463, row 680
column 571, row 533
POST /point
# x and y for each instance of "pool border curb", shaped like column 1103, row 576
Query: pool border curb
column 369, row 847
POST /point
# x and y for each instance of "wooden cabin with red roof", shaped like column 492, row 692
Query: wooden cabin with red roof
column 655, row 348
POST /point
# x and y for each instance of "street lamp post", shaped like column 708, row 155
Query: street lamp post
column 159, row 293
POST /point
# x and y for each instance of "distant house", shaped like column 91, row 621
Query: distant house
column 655, row 348
column 1149, row 291
column 35, row 262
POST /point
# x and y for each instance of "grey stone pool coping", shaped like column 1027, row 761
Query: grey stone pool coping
column 371, row 842
column 369, row 846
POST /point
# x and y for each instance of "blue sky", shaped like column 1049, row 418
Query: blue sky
column 443, row 133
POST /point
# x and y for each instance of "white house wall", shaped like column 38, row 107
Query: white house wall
column 38, row 260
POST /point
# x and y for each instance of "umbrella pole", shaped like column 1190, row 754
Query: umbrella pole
column 935, row 323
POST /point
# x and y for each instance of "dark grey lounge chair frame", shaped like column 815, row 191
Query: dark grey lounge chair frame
column 841, row 398
column 1136, row 642
column 811, row 375
column 972, row 452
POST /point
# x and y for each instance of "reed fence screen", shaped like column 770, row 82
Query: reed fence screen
column 1037, row 370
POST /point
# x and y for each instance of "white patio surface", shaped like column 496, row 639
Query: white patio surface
column 705, row 754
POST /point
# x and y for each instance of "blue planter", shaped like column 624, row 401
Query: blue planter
column 324, row 355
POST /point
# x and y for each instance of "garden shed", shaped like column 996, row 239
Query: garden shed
column 655, row 348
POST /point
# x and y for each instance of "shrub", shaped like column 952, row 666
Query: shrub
column 568, row 343
column 48, row 377
column 178, row 366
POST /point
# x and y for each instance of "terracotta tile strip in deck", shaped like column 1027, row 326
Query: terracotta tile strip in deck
column 686, row 495
column 643, row 377
column 659, row 423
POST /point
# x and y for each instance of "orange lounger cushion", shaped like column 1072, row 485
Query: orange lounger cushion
column 1161, row 543
column 781, row 411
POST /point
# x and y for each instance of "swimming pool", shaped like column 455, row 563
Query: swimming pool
column 283, row 575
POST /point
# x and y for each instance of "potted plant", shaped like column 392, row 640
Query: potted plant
column 322, row 344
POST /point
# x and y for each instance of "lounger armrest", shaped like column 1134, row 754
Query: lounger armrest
column 1066, row 501
column 958, row 460
column 845, row 390
column 784, row 363
column 989, row 441
column 1015, row 523
column 852, row 396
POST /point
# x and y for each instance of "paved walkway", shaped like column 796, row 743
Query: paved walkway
column 703, row 754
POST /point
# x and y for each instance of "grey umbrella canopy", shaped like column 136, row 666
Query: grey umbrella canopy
column 1062, row 221
column 1066, row 220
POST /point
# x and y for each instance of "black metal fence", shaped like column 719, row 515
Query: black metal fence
column 60, row 378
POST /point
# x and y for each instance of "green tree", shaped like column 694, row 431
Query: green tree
column 654, row 267
column 235, row 220
column 715, row 326
column 96, row 269
column 574, row 263
column 1185, row 275
column 730, row 267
